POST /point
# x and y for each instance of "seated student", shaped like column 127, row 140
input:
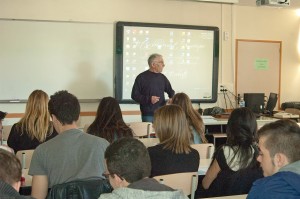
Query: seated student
column 279, row 158
column 128, row 170
column 109, row 123
column 174, row 153
column 35, row 126
column 2, row 146
column 72, row 155
column 193, row 117
column 234, row 167
column 10, row 176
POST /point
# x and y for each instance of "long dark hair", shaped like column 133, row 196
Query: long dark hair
column 241, row 133
column 109, row 123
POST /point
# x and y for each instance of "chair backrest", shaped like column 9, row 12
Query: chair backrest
column 86, row 126
column 141, row 129
column 205, row 150
column 25, row 157
column 5, row 132
column 187, row 182
column 149, row 141
column 81, row 189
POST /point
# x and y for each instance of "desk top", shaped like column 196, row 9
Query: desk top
column 209, row 120
column 231, row 197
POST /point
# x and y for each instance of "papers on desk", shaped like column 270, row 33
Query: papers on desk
column 207, row 117
column 285, row 115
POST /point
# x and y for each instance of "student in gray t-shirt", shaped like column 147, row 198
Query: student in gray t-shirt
column 71, row 155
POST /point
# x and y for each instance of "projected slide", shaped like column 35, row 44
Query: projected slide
column 189, row 55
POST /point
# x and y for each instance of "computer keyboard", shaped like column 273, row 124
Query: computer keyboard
column 286, row 105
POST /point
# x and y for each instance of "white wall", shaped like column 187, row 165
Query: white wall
column 241, row 22
column 265, row 23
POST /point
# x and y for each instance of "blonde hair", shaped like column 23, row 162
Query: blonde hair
column 172, row 128
column 193, row 117
column 36, row 120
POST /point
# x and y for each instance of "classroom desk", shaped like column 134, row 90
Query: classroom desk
column 211, row 121
column 230, row 197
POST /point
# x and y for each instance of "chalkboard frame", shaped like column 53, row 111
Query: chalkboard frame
column 118, row 69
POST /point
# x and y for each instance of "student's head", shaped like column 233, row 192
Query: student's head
column 10, row 169
column 156, row 63
column 182, row 100
column 109, row 111
column 241, row 127
column 279, row 145
column 194, row 118
column 127, row 161
column 65, row 107
column 172, row 129
column 109, row 122
column 37, row 105
column 36, row 119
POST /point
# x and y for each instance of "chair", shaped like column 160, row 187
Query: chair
column 6, row 131
column 148, row 142
column 205, row 150
column 187, row 182
column 25, row 157
column 86, row 126
column 141, row 129
column 80, row 189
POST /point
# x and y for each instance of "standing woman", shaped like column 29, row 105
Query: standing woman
column 109, row 123
column 195, row 121
column 234, row 166
column 173, row 154
column 35, row 126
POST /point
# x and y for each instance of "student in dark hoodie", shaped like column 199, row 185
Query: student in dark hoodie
column 279, row 158
column 128, row 170
column 10, row 176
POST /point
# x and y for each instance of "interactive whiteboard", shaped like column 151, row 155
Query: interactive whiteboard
column 190, row 54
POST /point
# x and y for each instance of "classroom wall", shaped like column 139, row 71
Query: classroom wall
column 238, row 21
column 266, row 23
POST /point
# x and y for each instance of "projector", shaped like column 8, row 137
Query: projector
column 276, row 3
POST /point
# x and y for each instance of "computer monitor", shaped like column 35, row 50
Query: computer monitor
column 255, row 101
column 271, row 103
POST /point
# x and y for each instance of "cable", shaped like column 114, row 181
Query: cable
column 225, row 99
column 230, row 101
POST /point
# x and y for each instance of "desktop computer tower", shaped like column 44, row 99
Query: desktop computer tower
column 255, row 102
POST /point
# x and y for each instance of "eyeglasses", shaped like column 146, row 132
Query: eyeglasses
column 106, row 175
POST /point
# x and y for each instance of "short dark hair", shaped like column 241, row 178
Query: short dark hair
column 282, row 136
column 65, row 106
column 10, row 169
column 129, row 159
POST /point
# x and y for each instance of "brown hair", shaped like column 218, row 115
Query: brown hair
column 192, row 115
column 10, row 169
column 282, row 136
column 36, row 120
column 172, row 129
column 109, row 123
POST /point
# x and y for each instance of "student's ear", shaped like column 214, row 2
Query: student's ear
column 120, row 182
column 280, row 160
